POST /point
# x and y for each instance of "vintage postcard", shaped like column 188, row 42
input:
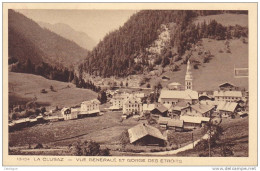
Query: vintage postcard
column 95, row 84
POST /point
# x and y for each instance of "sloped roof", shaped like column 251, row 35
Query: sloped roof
column 180, row 105
column 175, row 122
column 161, row 108
column 163, row 120
column 64, row 109
column 202, row 108
column 141, row 130
column 228, row 93
column 148, row 107
column 242, row 113
column 168, row 106
column 178, row 94
column 193, row 119
column 113, row 108
column 174, row 84
column 209, row 102
column 91, row 101
column 227, row 106
column 170, row 122
column 133, row 100
column 226, row 84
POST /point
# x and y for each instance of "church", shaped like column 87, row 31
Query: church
column 187, row 95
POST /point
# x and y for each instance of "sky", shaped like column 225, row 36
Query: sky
column 95, row 23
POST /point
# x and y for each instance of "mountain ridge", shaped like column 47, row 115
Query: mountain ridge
column 50, row 47
column 66, row 31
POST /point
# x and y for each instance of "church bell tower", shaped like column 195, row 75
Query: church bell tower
column 188, row 77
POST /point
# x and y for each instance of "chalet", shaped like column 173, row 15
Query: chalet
column 176, row 110
column 242, row 114
column 175, row 96
column 53, row 118
column 163, row 121
column 143, row 134
column 21, row 123
column 226, row 109
column 168, row 123
column 147, row 108
column 70, row 113
column 174, row 86
column 175, row 124
column 33, row 121
column 89, row 108
column 228, row 96
column 227, row 87
column 198, row 109
column 133, row 105
column 40, row 119
column 204, row 96
column 165, row 78
column 160, row 110
column 191, row 122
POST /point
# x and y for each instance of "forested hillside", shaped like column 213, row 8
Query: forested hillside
column 27, row 40
column 117, row 53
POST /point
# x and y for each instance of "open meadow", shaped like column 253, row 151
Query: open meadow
column 29, row 86
column 220, row 69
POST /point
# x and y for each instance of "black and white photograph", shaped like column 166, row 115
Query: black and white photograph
column 128, row 82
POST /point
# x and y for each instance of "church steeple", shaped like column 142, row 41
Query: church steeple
column 188, row 77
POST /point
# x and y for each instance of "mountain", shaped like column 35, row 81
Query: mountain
column 64, row 30
column 27, row 40
column 152, row 38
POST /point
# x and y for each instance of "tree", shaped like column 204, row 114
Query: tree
column 51, row 88
column 121, row 84
column 102, row 97
column 89, row 148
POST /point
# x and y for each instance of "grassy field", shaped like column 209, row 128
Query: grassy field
column 28, row 86
column 220, row 69
column 225, row 19
column 102, row 129
column 235, row 135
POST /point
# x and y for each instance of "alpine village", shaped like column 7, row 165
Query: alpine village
column 165, row 83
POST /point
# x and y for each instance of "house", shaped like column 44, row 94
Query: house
column 175, row 124
column 70, row 113
column 143, row 134
column 175, row 96
column 139, row 95
column 228, row 96
column 114, row 108
column 227, row 87
column 147, row 108
column 176, row 110
column 133, row 105
column 160, row 110
column 40, row 118
column 226, row 109
column 242, row 114
column 89, row 108
column 174, row 86
column 119, row 99
column 163, row 121
column 198, row 109
column 204, row 96
column 191, row 122
column 165, row 78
